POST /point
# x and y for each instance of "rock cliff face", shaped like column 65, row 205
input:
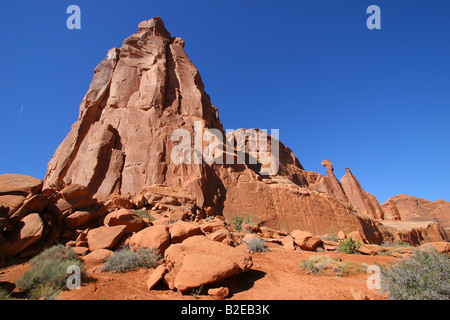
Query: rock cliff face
column 139, row 95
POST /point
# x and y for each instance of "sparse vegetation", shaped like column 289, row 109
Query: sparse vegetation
column 143, row 213
column 349, row 246
column 325, row 264
column 196, row 292
column 4, row 295
column 424, row 276
column 49, row 273
column 236, row 222
column 396, row 244
column 257, row 245
column 126, row 259
column 330, row 236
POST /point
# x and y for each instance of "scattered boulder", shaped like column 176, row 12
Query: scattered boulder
column 288, row 242
column 105, row 237
column 97, row 256
column 80, row 250
column 219, row 293
column 156, row 237
column 116, row 202
column 212, row 225
column 80, row 218
column 32, row 204
column 440, row 247
column 306, row 240
column 220, row 235
column 180, row 230
column 340, row 235
column 370, row 249
column 11, row 202
column 356, row 236
column 73, row 197
column 23, row 234
column 156, row 276
column 125, row 217
column 19, row 184
column 198, row 261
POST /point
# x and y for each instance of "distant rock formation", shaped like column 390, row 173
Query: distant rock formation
column 404, row 207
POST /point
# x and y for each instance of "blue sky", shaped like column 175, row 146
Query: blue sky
column 376, row 101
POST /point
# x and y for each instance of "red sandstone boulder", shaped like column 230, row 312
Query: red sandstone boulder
column 11, row 202
column 180, row 230
column 371, row 249
column 219, row 293
column 125, row 217
column 18, row 184
column 156, row 237
column 156, row 276
column 440, row 247
column 198, row 261
column 73, row 197
column 97, row 256
column 32, row 204
column 105, row 237
column 306, row 240
column 23, row 234
column 80, row 218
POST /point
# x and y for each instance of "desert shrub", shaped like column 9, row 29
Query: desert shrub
column 330, row 236
column 256, row 245
column 386, row 253
column 143, row 213
column 4, row 295
column 126, row 259
column 249, row 220
column 321, row 264
column 316, row 264
column 396, row 244
column 424, row 276
column 349, row 246
column 49, row 273
column 236, row 222
column 345, row 268
column 58, row 251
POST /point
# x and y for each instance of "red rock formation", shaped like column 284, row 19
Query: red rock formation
column 139, row 95
column 404, row 207
column 122, row 143
column 362, row 201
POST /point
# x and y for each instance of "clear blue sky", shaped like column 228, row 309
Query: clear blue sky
column 376, row 101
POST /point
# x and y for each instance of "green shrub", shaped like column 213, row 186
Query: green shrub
column 236, row 222
column 424, row 276
column 316, row 264
column 256, row 245
column 49, row 273
column 396, row 244
column 321, row 264
column 126, row 259
column 349, row 246
column 4, row 295
column 58, row 251
column 143, row 213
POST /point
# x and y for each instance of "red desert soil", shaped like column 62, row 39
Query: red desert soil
column 275, row 275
